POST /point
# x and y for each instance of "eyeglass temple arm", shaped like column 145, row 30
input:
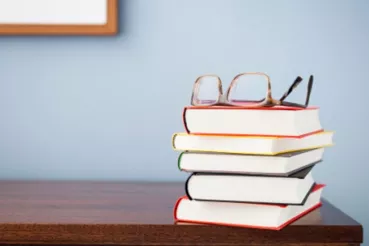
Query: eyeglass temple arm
column 292, row 87
column 310, row 86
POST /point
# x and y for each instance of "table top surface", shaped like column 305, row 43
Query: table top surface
column 118, row 212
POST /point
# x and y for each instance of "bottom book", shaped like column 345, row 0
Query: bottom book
column 248, row 215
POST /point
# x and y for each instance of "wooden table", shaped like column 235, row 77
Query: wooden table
column 98, row 213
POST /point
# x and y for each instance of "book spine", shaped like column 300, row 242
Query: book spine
column 179, row 161
column 176, row 207
column 184, row 119
column 173, row 141
column 186, row 186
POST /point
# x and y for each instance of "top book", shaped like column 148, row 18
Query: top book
column 263, row 121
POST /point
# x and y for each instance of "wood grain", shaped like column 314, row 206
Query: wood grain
column 98, row 213
column 110, row 28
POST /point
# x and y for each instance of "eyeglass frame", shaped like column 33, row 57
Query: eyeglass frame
column 268, row 101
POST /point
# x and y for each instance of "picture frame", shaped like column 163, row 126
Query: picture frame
column 58, row 17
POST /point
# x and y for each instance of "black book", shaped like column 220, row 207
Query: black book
column 292, row 190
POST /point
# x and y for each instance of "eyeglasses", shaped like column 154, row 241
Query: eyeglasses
column 252, row 81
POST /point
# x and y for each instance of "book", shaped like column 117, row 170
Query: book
column 249, row 144
column 277, row 165
column 248, row 215
column 249, row 188
column 263, row 121
column 314, row 216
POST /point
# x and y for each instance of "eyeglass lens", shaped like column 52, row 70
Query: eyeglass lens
column 207, row 90
column 248, row 89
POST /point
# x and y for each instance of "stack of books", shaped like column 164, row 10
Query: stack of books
column 249, row 167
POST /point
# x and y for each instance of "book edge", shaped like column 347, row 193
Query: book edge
column 283, row 108
column 290, row 221
column 259, row 153
column 227, row 135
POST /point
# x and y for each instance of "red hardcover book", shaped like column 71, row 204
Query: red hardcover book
column 247, row 215
column 264, row 121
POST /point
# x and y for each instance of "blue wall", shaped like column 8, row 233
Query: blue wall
column 106, row 107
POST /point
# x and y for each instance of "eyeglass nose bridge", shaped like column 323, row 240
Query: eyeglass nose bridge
column 223, row 99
